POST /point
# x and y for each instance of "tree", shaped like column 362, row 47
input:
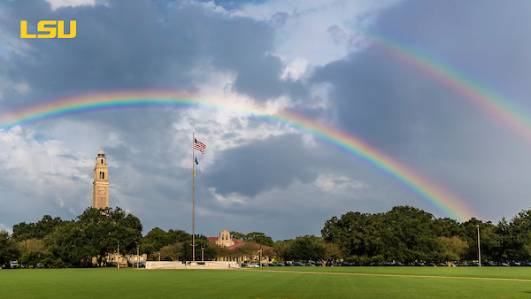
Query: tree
column 69, row 244
column 306, row 248
column 259, row 238
column 38, row 230
column 282, row 249
column 490, row 240
column 408, row 235
column 333, row 252
column 200, row 242
column 94, row 234
column 447, row 227
column 452, row 248
column 173, row 252
column 33, row 252
column 403, row 234
column 8, row 250
column 516, row 237
column 237, row 235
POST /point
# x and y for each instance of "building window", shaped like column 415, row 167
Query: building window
column 101, row 161
column 102, row 175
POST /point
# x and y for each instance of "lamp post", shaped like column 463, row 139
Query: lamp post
column 260, row 257
column 479, row 246
column 118, row 256
column 137, row 256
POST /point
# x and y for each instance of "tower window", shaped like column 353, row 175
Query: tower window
column 101, row 161
column 102, row 175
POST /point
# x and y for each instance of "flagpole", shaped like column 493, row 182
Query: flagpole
column 193, row 196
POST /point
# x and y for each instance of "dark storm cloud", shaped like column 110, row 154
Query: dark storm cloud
column 423, row 123
column 143, row 44
column 272, row 163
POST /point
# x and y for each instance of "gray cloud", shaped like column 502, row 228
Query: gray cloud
column 272, row 163
column 118, row 47
column 423, row 123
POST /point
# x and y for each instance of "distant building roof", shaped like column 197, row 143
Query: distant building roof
column 230, row 243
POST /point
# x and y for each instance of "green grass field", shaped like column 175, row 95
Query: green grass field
column 285, row 282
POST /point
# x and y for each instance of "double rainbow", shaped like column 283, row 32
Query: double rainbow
column 443, row 200
column 492, row 103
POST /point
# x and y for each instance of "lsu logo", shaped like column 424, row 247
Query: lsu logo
column 49, row 29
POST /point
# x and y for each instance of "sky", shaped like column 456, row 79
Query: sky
column 316, row 58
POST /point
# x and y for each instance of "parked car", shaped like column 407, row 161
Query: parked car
column 347, row 264
column 250, row 265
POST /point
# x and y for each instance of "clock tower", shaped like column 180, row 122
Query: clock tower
column 100, row 187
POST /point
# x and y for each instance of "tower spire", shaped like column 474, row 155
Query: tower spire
column 100, row 184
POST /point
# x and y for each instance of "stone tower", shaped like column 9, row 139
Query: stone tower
column 100, row 188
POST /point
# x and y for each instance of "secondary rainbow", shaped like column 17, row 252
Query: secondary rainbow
column 443, row 200
column 486, row 99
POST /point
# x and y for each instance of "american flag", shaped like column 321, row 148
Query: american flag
column 200, row 146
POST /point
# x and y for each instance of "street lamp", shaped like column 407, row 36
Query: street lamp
column 260, row 257
column 137, row 256
column 118, row 256
column 479, row 246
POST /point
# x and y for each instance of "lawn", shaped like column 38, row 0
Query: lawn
column 291, row 282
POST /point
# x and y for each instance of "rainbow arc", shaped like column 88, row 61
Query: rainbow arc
column 443, row 200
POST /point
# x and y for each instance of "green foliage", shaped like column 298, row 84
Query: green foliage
column 34, row 252
column 94, row 234
column 8, row 249
column 408, row 234
column 172, row 252
column 157, row 238
column 403, row 234
column 200, row 242
column 304, row 248
column 259, row 238
column 37, row 230
column 237, row 235
column 451, row 248
column 490, row 240
column 256, row 237
column 516, row 237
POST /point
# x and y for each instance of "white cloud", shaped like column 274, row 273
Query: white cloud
column 338, row 184
column 6, row 228
column 66, row 3
column 46, row 170
column 311, row 33
column 229, row 199
column 230, row 124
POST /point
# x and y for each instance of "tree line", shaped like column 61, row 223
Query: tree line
column 403, row 234
column 406, row 234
